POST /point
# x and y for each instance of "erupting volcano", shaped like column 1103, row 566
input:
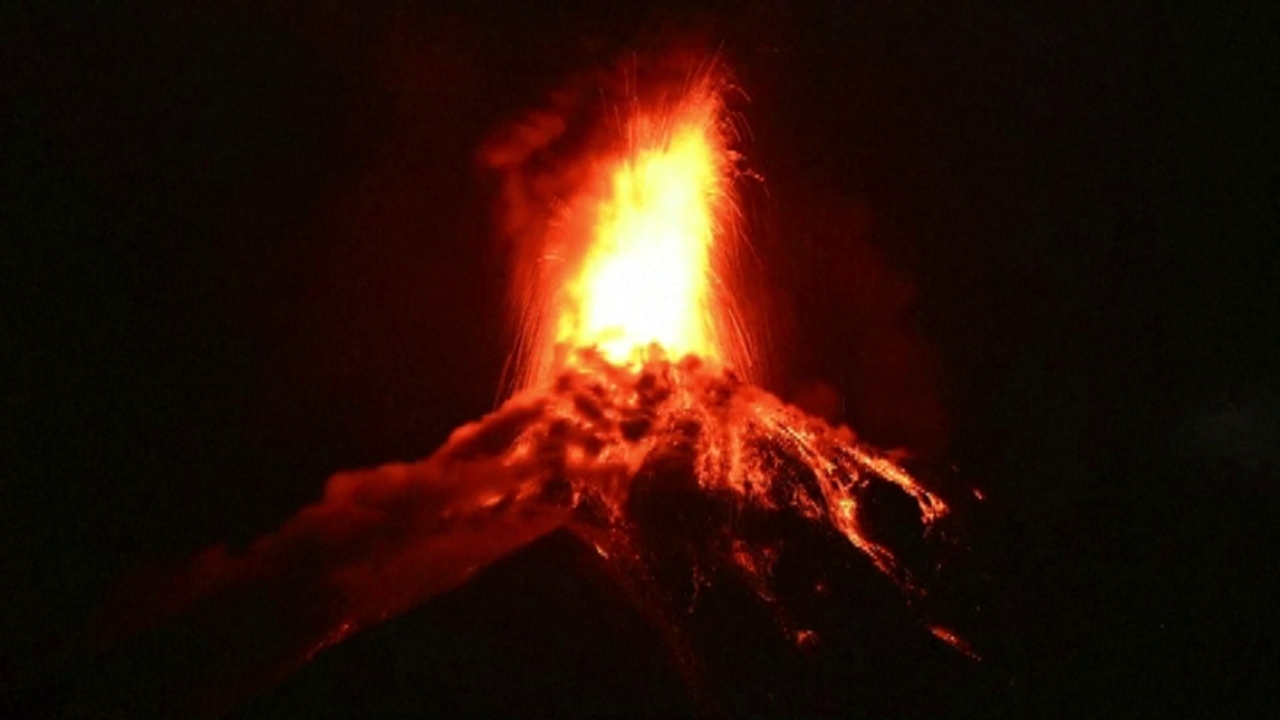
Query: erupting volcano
column 641, row 254
column 633, row 424
column 636, row 359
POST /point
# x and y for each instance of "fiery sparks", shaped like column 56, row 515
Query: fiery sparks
column 645, row 278
column 640, row 254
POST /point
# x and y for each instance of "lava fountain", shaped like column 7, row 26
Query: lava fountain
column 635, row 425
column 644, row 279
column 641, row 256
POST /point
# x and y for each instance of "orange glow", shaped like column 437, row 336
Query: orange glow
column 646, row 275
column 638, row 258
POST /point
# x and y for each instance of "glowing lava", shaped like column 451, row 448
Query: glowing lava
column 645, row 278
column 640, row 253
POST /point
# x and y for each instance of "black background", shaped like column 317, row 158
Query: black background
column 245, row 245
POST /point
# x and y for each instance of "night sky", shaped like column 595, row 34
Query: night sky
column 246, row 245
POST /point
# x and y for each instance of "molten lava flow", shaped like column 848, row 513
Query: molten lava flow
column 613, row 436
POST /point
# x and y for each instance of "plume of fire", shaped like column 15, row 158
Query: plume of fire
column 641, row 248
column 646, row 276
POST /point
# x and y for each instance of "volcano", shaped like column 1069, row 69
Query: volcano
column 748, row 547
column 736, row 529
